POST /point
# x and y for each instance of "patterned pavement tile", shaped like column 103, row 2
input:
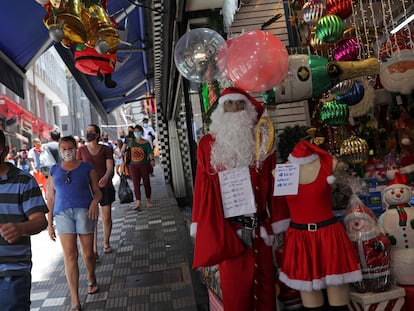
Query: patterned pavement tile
column 149, row 269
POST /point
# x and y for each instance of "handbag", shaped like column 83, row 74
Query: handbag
column 125, row 193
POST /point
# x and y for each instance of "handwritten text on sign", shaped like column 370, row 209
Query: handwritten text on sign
column 237, row 192
column 286, row 179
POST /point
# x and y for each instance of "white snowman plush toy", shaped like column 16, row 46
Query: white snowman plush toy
column 397, row 222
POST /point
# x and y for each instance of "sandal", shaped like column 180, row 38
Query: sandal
column 108, row 249
column 93, row 288
column 149, row 204
column 76, row 308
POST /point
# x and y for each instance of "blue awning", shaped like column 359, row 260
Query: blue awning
column 24, row 37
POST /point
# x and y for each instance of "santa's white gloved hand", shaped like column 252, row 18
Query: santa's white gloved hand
column 193, row 229
column 268, row 239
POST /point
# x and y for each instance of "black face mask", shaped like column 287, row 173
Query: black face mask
column 90, row 137
column 105, row 139
column 122, row 136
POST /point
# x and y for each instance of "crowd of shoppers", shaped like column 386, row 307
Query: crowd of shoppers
column 85, row 168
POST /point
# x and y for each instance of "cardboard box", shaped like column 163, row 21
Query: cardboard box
column 392, row 300
column 373, row 199
column 371, row 183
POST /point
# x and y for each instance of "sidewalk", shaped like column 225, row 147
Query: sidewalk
column 149, row 270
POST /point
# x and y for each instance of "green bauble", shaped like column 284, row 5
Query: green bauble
column 330, row 28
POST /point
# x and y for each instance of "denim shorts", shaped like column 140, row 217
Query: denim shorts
column 75, row 221
column 15, row 293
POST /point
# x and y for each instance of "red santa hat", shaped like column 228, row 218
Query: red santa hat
column 359, row 211
column 305, row 152
column 399, row 179
column 234, row 93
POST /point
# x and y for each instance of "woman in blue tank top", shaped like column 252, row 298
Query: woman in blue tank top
column 72, row 198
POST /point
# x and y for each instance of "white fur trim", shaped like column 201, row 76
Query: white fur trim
column 318, row 284
column 304, row 160
column 233, row 96
column 280, row 226
column 193, row 229
column 331, row 179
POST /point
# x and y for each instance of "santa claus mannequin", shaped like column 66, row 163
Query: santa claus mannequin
column 241, row 244
column 317, row 252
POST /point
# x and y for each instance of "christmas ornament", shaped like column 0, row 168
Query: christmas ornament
column 354, row 96
column 334, row 113
column 90, row 62
column 347, row 49
column 265, row 137
column 354, row 150
column 195, row 54
column 312, row 11
column 65, row 21
column 330, row 28
column 316, row 43
column 341, row 8
column 258, row 62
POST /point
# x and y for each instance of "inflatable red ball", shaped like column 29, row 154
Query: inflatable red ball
column 256, row 61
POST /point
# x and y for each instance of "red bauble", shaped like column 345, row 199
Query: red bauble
column 341, row 8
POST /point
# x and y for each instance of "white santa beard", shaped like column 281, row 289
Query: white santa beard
column 398, row 82
column 235, row 140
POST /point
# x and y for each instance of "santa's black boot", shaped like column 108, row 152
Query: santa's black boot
column 109, row 83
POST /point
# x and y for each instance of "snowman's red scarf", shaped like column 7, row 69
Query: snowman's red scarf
column 401, row 213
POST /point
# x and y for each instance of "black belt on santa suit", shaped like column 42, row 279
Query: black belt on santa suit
column 313, row 226
column 248, row 225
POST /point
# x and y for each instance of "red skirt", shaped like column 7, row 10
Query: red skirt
column 316, row 260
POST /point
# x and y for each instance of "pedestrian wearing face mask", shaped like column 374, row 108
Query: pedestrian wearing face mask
column 142, row 161
column 102, row 160
column 74, row 216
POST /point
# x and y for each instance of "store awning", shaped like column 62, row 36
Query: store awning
column 24, row 37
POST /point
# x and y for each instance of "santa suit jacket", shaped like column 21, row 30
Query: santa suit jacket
column 216, row 241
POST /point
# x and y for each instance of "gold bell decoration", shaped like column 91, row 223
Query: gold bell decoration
column 265, row 138
column 63, row 19
column 354, row 150
column 101, row 33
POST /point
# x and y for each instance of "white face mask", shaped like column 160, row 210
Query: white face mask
column 145, row 125
column 68, row 155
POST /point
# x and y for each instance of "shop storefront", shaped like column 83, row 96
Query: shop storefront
column 20, row 125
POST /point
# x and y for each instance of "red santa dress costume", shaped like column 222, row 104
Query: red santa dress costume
column 246, row 274
column 317, row 250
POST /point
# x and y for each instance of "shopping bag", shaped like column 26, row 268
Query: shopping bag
column 125, row 193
